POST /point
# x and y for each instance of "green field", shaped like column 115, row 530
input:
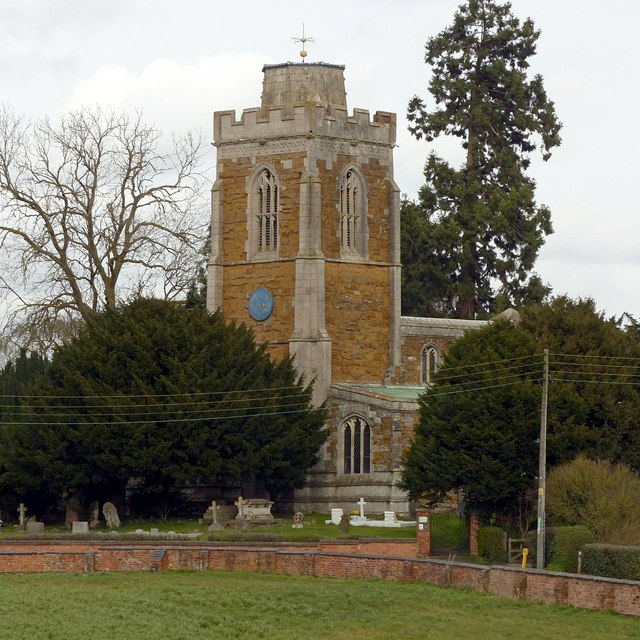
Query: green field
column 189, row 605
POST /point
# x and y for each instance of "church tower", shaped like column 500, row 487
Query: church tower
column 306, row 227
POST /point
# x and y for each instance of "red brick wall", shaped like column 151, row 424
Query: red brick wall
column 357, row 559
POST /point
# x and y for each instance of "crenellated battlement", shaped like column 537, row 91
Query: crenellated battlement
column 307, row 120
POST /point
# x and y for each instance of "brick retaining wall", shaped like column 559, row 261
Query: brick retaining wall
column 326, row 561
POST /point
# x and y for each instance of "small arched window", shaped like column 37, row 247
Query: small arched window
column 264, row 205
column 429, row 363
column 353, row 215
column 356, row 435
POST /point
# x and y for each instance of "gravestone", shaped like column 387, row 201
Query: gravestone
column 34, row 528
column 362, row 518
column 254, row 509
column 212, row 515
column 344, row 523
column 73, row 507
column 336, row 516
column 94, row 514
column 22, row 514
column 390, row 517
column 298, row 521
column 80, row 527
column 111, row 515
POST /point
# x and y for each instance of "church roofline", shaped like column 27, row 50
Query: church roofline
column 443, row 327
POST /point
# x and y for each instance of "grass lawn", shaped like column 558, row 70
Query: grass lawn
column 188, row 605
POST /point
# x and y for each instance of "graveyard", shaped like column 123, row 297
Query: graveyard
column 247, row 519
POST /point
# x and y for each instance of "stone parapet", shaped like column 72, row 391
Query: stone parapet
column 438, row 327
column 306, row 121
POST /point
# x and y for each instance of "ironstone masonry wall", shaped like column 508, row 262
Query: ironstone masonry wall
column 362, row 560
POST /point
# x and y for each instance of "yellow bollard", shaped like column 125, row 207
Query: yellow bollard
column 525, row 553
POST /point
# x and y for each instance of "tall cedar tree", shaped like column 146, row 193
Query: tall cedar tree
column 481, row 224
column 480, row 422
column 166, row 395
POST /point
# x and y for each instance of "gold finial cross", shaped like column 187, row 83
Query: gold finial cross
column 303, row 53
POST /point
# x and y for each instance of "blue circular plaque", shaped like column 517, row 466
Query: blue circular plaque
column 260, row 304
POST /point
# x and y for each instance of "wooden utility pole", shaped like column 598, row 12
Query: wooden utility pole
column 542, row 463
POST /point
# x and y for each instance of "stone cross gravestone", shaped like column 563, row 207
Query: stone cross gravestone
column 111, row 515
column 240, row 505
column 22, row 514
column 361, row 504
column 213, row 510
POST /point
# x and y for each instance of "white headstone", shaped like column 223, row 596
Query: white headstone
column 361, row 504
column 336, row 515
column 390, row 516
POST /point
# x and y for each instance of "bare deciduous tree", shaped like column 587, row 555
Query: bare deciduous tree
column 92, row 211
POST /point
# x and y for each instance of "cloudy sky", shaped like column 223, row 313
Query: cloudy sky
column 180, row 61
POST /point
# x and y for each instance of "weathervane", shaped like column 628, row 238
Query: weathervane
column 303, row 53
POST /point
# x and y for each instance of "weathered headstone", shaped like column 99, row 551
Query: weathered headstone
column 73, row 507
column 344, row 523
column 94, row 514
column 22, row 514
column 111, row 515
column 240, row 504
column 298, row 521
column 254, row 509
column 212, row 514
column 34, row 528
column 80, row 526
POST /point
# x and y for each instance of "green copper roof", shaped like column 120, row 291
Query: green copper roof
column 395, row 392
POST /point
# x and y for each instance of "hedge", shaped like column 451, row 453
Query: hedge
column 611, row 561
column 492, row 544
column 564, row 545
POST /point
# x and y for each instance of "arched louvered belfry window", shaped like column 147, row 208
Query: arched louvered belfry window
column 356, row 434
column 353, row 215
column 429, row 363
column 264, row 207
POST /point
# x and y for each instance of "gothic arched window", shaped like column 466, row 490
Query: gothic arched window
column 429, row 363
column 264, row 204
column 356, row 435
column 353, row 215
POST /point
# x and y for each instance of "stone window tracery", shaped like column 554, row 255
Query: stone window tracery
column 356, row 446
column 429, row 363
column 353, row 216
column 264, row 207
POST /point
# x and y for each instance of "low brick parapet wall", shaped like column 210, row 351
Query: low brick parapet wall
column 548, row 587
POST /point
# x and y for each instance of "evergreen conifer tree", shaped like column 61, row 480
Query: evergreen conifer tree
column 482, row 228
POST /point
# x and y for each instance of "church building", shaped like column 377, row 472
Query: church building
column 305, row 249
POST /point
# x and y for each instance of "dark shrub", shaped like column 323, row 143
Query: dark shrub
column 564, row 545
column 492, row 544
column 611, row 561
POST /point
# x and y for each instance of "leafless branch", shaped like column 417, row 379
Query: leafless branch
column 92, row 208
